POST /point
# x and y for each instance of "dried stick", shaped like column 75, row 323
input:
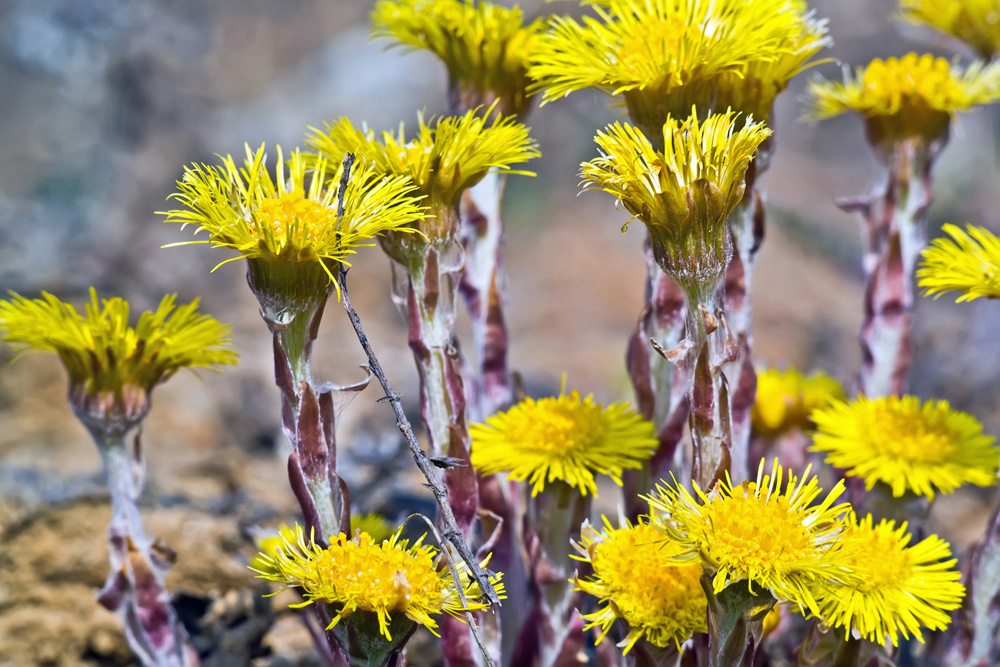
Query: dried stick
column 451, row 530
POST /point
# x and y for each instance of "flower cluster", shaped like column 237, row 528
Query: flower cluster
column 971, row 21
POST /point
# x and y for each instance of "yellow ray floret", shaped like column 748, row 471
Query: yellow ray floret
column 975, row 22
column 684, row 193
column 922, row 448
column 900, row 588
column 916, row 94
column 665, row 604
column 765, row 533
column 288, row 218
column 359, row 575
column 696, row 51
column 444, row 158
column 103, row 353
column 785, row 399
column 566, row 438
column 483, row 45
column 969, row 263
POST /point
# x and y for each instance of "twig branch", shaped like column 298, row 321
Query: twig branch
column 450, row 527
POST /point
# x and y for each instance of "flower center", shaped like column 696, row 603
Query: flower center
column 922, row 436
column 885, row 564
column 657, row 41
column 667, row 594
column 557, row 426
column 912, row 82
column 292, row 211
column 377, row 576
column 757, row 533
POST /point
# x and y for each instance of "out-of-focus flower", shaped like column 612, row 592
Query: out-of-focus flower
column 113, row 366
column 785, row 399
column 664, row 605
column 900, row 588
column 357, row 575
column 684, row 193
column 284, row 226
column 922, row 448
column 485, row 47
column 765, row 533
column 969, row 262
column 975, row 22
column 566, row 438
column 910, row 97
column 666, row 56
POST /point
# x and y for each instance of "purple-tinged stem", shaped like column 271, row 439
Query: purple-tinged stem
column 655, row 381
column 484, row 289
column 894, row 234
column 135, row 587
column 974, row 638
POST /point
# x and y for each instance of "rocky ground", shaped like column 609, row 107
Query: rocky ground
column 111, row 98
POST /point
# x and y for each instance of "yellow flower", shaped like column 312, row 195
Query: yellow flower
column 900, row 588
column 285, row 221
column 665, row 56
column 970, row 263
column 785, row 399
column 358, row 575
column 565, row 438
column 975, row 22
column 271, row 544
column 485, row 46
column 684, row 193
column 375, row 525
column 664, row 605
column 909, row 97
column 771, row 537
column 443, row 160
column 911, row 447
column 111, row 365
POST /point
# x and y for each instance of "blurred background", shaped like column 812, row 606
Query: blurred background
column 101, row 104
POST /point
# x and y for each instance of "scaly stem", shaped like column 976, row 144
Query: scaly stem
column 484, row 288
column 135, row 588
column 735, row 623
column 655, row 380
column 708, row 392
column 894, row 231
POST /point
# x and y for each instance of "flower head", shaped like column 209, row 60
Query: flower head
column 766, row 533
column 288, row 223
column 113, row 366
column 910, row 97
column 665, row 56
column 900, row 588
column 975, row 22
column 564, row 438
column 485, row 46
column 684, row 193
column 969, row 262
column 785, row 399
column 443, row 160
column 666, row 605
column 359, row 575
column 921, row 448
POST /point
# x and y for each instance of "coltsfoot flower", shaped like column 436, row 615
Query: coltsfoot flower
column 785, row 399
column 667, row 56
column 975, row 22
column 766, row 533
column 969, row 263
column 910, row 97
column 356, row 575
column 113, row 366
column 566, row 438
column 288, row 227
column 665, row 605
column 484, row 46
column 684, row 193
column 900, row 588
column 922, row 448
